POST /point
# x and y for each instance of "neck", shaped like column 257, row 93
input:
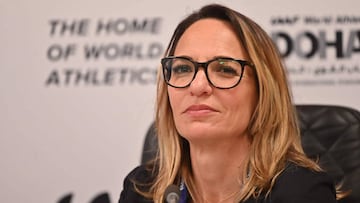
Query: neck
column 217, row 168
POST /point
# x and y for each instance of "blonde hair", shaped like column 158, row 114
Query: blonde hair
column 274, row 132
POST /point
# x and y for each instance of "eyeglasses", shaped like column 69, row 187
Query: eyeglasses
column 222, row 73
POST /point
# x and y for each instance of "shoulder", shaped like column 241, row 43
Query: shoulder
column 298, row 184
column 141, row 176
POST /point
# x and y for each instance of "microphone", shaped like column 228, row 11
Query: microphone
column 172, row 194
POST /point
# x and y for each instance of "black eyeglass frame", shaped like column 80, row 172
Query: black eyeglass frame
column 205, row 65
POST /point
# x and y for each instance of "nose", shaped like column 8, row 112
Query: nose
column 200, row 85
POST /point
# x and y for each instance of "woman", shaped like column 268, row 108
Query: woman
column 226, row 125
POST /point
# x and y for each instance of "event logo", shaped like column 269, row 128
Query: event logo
column 319, row 50
column 105, row 52
column 319, row 44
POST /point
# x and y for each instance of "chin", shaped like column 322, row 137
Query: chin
column 197, row 133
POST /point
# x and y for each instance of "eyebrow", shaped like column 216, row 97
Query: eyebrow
column 214, row 57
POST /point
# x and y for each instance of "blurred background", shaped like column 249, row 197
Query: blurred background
column 77, row 83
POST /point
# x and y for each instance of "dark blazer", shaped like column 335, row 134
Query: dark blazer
column 294, row 185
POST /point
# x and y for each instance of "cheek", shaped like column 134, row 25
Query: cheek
column 244, row 106
column 174, row 99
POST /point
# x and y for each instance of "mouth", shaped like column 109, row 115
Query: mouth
column 199, row 109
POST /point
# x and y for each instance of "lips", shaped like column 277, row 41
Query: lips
column 199, row 109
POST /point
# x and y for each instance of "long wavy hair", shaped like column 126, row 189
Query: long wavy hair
column 273, row 129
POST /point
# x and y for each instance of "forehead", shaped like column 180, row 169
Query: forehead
column 210, row 37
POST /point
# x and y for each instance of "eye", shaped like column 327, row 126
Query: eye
column 181, row 69
column 226, row 68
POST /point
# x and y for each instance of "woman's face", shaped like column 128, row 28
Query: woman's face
column 201, row 111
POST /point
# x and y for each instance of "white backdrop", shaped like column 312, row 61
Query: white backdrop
column 73, row 122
